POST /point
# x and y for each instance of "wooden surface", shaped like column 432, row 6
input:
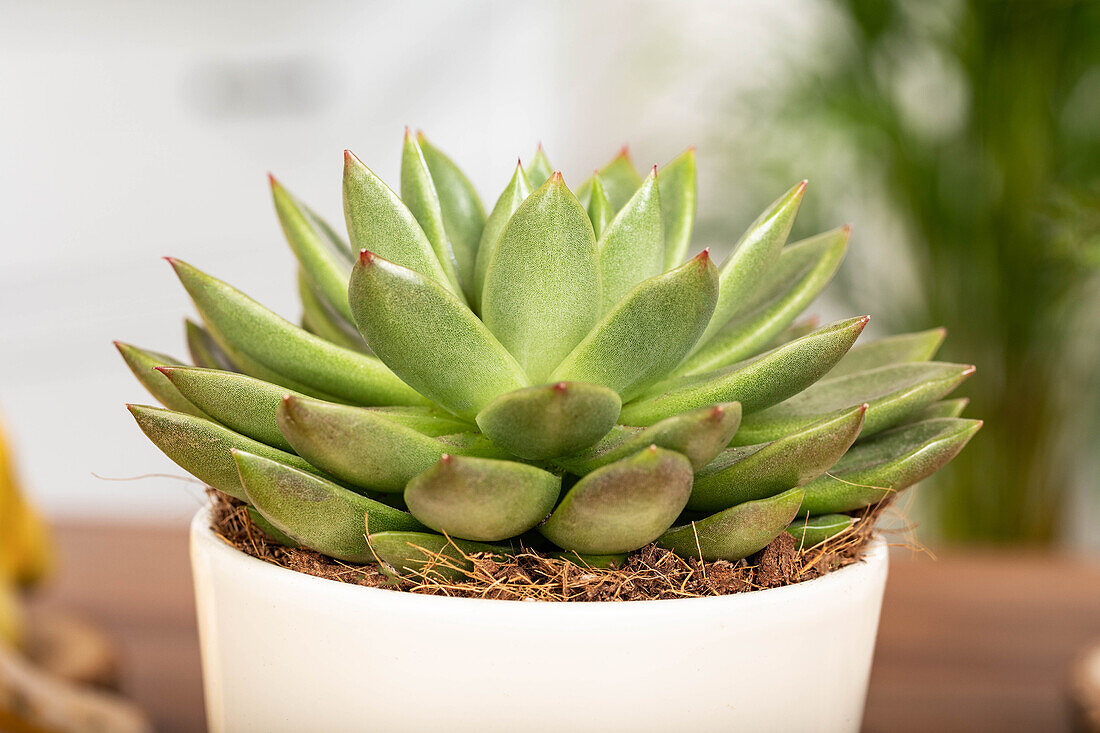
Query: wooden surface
column 976, row 642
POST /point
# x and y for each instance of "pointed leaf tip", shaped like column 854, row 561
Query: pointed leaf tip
column 802, row 186
column 561, row 387
column 446, row 458
column 846, row 229
column 366, row 257
column 556, row 177
column 970, row 369
column 624, row 151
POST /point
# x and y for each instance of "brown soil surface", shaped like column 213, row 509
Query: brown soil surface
column 650, row 573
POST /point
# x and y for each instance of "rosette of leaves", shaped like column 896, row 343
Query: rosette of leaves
column 557, row 374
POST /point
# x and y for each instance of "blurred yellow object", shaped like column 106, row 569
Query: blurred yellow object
column 11, row 615
column 26, row 555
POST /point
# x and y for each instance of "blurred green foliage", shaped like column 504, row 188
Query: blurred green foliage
column 972, row 130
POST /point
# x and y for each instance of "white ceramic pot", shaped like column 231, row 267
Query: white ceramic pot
column 283, row 651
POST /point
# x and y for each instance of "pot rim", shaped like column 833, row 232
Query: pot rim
column 204, row 540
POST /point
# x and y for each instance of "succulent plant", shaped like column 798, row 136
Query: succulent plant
column 556, row 374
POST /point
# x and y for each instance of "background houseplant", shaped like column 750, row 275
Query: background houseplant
column 965, row 133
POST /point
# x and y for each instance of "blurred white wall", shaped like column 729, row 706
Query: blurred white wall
column 132, row 130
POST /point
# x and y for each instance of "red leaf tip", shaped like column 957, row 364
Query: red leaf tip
column 802, row 185
column 624, row 151
column 366, row 257
column 271, row 179
column 163, row 370
column 407, row 133
column 555, row 177
column 446, row 458
column 864, row 320
column 561, row 387
column 704, row 256
column 970, row 369
column 847, row 229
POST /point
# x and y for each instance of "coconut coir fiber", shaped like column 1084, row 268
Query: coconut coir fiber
column 650, row 573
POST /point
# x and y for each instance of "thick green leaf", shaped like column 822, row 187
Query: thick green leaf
column 418, row 192
column 736, row 532
column 378, row 220
column 473, row 444
column 599, row 208
column 202, row 447
column 756, row 384
column 813, row 531
column 755, row 253
column 622, row 506
column 356, row 444
column 632, row 248
column 325, row 263
column 463, row 214
column 320, row 319
column 796, row 330
column 550, row 420
column 517, row 190
column 919, row 346
column 409, row 552
column 643, row 337
column 145, row 365
column 427, row 336
column 239, row 402
column 699, row 434
column 204, row 351
column 245, row 364
column 893, row 394
column 758, row 471
column 888, row 463
column 943, row 408
column 284, row 348
column 269, row 529
column 677, row 181
column 803, row 270
column 542, row 287
column 620, row 180
column 482, row 499
column 314, row 512
column 540, row 170
column 430, row 421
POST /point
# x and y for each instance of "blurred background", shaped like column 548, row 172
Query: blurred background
column 961, row 139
